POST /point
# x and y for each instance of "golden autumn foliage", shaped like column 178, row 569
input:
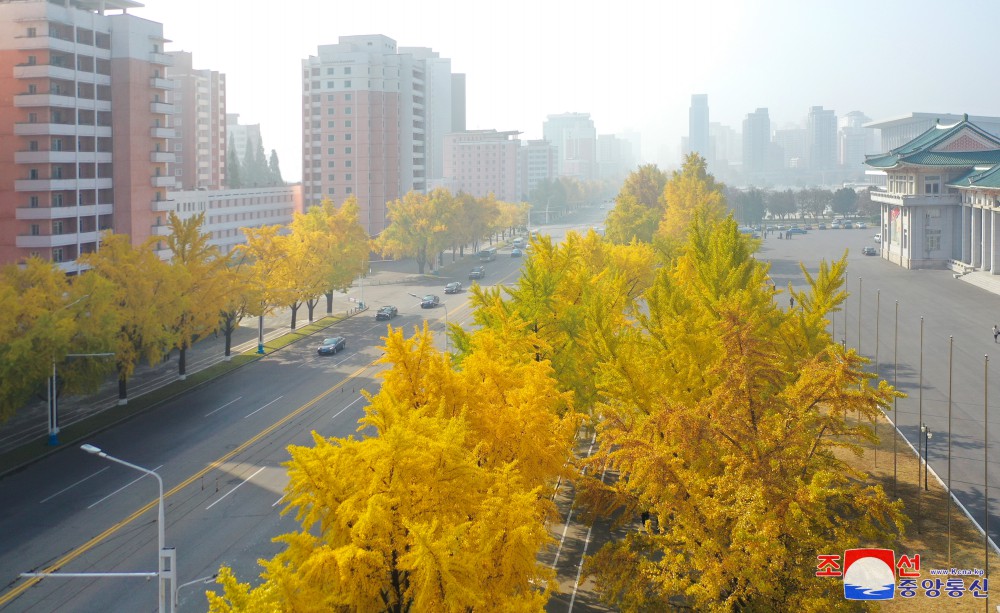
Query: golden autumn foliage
column 439, row 506
column 721, row 413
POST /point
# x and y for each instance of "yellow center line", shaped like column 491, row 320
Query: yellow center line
column 72, row 555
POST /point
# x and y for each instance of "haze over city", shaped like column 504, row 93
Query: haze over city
column 633, row 66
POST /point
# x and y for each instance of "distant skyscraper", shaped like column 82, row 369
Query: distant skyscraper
column 537, row 163
column 614, row 157
column 241, row 135
column 698, row 135
column 855, row 141
column 756, row 142
column 575, row 138
column 791, row 142
column 373, row 122
column 199, row 99
column 821, row 139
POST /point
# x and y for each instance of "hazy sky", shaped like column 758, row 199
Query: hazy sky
column 632, row 65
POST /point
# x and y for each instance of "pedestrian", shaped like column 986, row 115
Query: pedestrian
column 791, row 302
column 996, row 332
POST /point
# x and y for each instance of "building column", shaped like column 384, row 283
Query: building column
column 987, row 239
column 965, row 255
column 994, row 243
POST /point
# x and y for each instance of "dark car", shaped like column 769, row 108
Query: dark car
column 869, row 251
column 515, row 252
column 795, row 230
column 429, row 301
column 331, row 346
column 478, row 272
column 453, row 288
column 386, row 313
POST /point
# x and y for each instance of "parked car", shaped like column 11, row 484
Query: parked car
column 331, row 346
column 869, row 251
column 795, row 230
column 861, row 225
column 515, row 252
column 453, row 288
column 821, row 226
column 847, row 225
column 386, row 313
column 478, row 272
column 519, row 242
column 878, row 237
column 429, row 301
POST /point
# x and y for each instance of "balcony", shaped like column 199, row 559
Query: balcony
column 46, row 157
column 47, row 241
column 161, row 83
column 45, row 100
column 162, row 133
column 163, row 206
column 60, row 129
column 916, row 199
column 161, row 58
column 163, row 181
column 162, row 108
column 45, row 71
column 162, row 157
column 44, row 185
column 30, row 43
column 62, row 212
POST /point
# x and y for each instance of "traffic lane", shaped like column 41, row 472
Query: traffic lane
column 951, row 308
column 176, row 429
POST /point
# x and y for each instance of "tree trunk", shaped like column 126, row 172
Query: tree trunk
column 329, row 303
column 122, row 389
column 295, row 310
column 182, row 362
column 229, row 342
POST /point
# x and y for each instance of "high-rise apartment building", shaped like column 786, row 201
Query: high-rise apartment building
column 84, row 98
column 481, row 162
column 698, row 136
column 575, row 139
column 199, row 121
column 791, row 143
column 855, row 141
column 614, row 157
column 821, row 139
column 537, row 160
column 756, row 142
column 373, row 122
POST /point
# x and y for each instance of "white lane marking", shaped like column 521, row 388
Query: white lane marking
column 72, row 486
column 265, row 406
column 583, row 554
column 123, row 487
column 569, row 516
column 235, row 488
column 347, row 407
column 224, row 406
column 278, row 501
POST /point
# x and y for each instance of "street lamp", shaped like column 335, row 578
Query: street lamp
column 928, row 435
column 167, row 565
column 54, row 395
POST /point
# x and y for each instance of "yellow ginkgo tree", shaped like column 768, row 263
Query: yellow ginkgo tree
column 434, row 508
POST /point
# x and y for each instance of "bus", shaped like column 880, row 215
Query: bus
column 488, row 254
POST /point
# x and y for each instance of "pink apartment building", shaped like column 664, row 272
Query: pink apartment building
column 481, row 162
column 84, row 115
column 199, row 121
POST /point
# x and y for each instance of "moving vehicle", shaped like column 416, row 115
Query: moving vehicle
column 453, row 288
column 331, row 346
column 487, row 255
column 519, row 242
column 795, row 230
column 478, row 272
column 386, row 313
column 429, row 301
column 515, row 252
column 878, row 237
column 869, row 251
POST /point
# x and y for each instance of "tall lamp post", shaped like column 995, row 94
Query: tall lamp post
column 53, row 394
column 167, row 563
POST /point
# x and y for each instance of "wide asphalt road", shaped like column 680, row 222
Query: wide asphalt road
column 219, row 450
column 949, row 370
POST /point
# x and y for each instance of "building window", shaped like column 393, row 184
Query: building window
column 347, row 110
column 32, row 32
column 35, row 229
column 331, row 151
column 347, row 136
column 349, row 177
column 932, row 185
column 347, row 163
column 331, row 177
column 331, row 164
column 57, row 254
column 32, row 117
column 347, row 150
column 331, row 111
column 347, row 124
column 33, row 145
column 57, row 199
column 331, row 97
column 57, row 227
column 33, row 202
column 32, row 88
column 347, row 83
column 329, row 71
column 32, row 60
column 350, row 190
column 331, row 137
column 347, row 70
column 347, row 97
column 33, row 173
column 330, row 85
column 331, row 124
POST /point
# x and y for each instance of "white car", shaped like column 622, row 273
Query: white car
column 878, row 237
